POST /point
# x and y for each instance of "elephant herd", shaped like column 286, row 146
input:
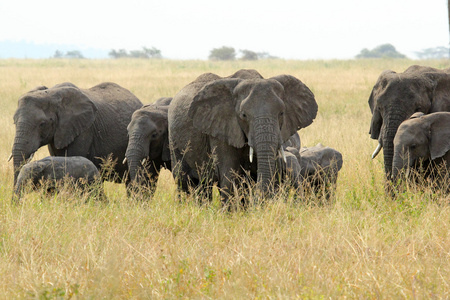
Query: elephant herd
column 229, row 131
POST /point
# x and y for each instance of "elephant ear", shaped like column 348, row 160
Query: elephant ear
column 76, row 113
column 417, row 115
column 377, row 119
column 213, row 111
column 440, row 91
column 439, row 137
column 301, row 106
column 39, row 88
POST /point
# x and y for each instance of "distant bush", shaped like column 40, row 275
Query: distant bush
column 382, row 51
column 69, row 54
column 249, row 55
column 144, row 53
column 223, row 53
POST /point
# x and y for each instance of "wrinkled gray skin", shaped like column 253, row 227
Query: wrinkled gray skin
column 75, row 122
column 148, row 142
column 227, row 116
column 396, row 96
column 316, row 167
column 425, row 137
column 54, row 169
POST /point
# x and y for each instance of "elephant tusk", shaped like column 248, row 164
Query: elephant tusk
column 251, row 154
column 124, row 161
column 31, row 157
column 144, row 161
column 281, row 151
column 9, row 158
column 375, row 153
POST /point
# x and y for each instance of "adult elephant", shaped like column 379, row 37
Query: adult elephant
column 216, row 124
column 148, row 143
column 75, row 122
column 423, row 139
column 396, row 96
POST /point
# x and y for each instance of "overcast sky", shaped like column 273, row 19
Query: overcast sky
column 189, row 29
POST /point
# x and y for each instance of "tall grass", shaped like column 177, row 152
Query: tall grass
column 362, row 245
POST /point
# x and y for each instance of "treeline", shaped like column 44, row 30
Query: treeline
column 229, row 53
column 389, row 51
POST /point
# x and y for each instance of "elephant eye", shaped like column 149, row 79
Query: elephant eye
column 154, row 135
column 244, row 116
column 43, row 124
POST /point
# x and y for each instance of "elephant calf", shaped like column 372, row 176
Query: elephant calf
column 56, row 169
column 423, row 143
column 148, row 144
column 315, row 167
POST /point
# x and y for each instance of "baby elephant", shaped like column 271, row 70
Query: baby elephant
column 315, row 167
column 423, row 143
column 56, row 169
column 148, row 145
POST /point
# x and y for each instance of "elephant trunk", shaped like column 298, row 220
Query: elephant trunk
column 134, row 156
column 400, row 163
column 388, row 144
column 22, row 149
column 267, row 138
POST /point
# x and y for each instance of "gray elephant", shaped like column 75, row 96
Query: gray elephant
column 423, row 141
column 396, row 96
column 75, row 122
column 320, row 166
column 315, row 169
column 54, row 170
column 216, row 124
column 148, row 143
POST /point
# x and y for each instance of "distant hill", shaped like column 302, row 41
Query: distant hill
column 23, row 49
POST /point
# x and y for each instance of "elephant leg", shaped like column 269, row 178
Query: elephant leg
column 180, row 170
column 228, row 170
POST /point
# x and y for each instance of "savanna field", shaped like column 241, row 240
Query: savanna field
column 362, row 244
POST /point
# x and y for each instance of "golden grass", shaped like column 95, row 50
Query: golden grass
column 363, row 245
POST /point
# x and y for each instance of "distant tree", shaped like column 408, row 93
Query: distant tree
column 382, row 51
column 137, row 54
column 69, row 54
column 433, row 53
column 74, row 54
column 58, row 54
column 118, row 53
column 144, row 53
column 152, row 52
column 224, row 53
column 249, row 55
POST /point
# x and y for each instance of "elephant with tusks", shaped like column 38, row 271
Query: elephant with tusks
column 222, row 127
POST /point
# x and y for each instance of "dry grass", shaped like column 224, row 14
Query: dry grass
column 363, row 245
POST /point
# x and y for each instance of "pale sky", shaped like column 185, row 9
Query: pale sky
column 189, row 29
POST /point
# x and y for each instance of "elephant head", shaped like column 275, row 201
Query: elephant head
column 260, row 113
column 49, row 116
column 396, row 96
column 422, row 137
column 147, row 139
